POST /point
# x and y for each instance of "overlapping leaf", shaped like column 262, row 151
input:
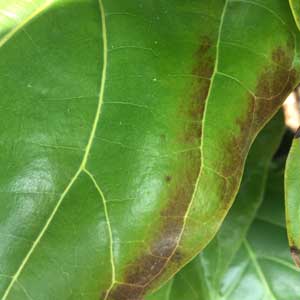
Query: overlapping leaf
column 124, row 130
column 292, row 203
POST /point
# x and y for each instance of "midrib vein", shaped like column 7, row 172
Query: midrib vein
column 215, row 71
column 17, row 28
column 82, row 166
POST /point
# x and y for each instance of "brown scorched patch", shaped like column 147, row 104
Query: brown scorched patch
column 125, row 292
column 295, row 252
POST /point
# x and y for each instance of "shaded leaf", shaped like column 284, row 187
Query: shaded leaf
column 292, row 199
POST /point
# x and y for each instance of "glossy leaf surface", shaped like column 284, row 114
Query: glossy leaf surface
column 124, row 130
column 262, row 268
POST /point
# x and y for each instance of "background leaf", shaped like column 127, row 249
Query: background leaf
column 292, row 203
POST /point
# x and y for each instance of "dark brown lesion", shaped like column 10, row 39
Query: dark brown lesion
column 143, row 270
column 204, row 58
column 193, row 101
column 280, row 57
column 295, row 252
column 297, row 134
column 125, row 292
column 238, row 145
column 274, row 85
column 167, row 239
column 168, row 178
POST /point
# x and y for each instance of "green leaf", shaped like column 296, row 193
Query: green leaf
column 211, row 265
column 261, row 261
column 292, row 203
column 124, row 130
column 261, row 269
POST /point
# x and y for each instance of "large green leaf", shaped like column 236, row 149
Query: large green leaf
column 124, row 130
column 213, row 262
column 262, row 269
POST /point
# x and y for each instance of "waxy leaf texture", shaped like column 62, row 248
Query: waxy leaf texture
column 124, row 130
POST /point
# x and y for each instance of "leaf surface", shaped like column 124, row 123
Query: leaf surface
column 124, row 130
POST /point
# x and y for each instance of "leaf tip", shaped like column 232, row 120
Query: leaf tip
column 295, row 252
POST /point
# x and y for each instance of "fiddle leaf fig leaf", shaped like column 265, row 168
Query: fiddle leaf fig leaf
column 125, row 126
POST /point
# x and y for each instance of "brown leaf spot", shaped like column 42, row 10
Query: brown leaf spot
column 280, row 57
column 276, row 78
column 183, row 183
column 177, row 257
column 274, row 84
column 295, row 252
column 205, row 57
column 163, row 138
column 265, row 108
column 144, row 269
column 167, row 237
column 193, row 103
column 168, row 178
column 192, row 109
column 237, row 146
column 125, row 292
